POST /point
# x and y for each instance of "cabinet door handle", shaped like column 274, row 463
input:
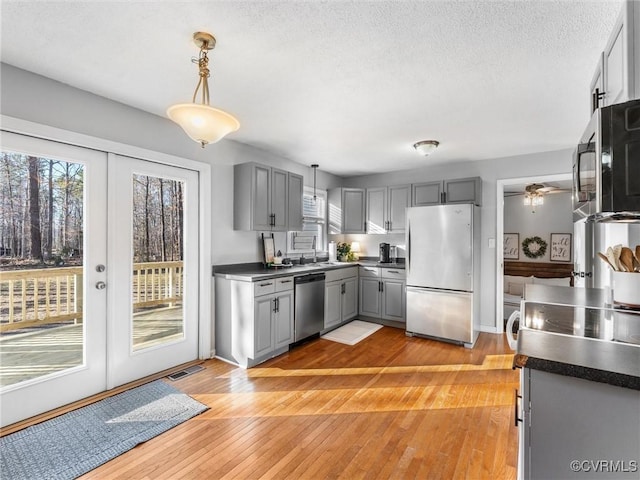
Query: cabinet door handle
column 342, row 289
column 515, row 406
column 266, row 284
column 392, row 271
column 285, row 281
column 595, row 99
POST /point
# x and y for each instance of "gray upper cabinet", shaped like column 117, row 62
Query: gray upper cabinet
column 460, row 190
column 376, row 210
column 617, row 74
column 385, row 209
column 399, row 200
column 279, row 199
column 429, row 193
column 295, row 193
column 266, row 198
column 346, row 210
column 463, row 190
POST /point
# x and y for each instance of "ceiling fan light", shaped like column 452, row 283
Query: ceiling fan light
column 203, row 123
column 425, row 147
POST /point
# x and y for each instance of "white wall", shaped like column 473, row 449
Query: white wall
column 41, row 100
column 556, row 162
column 554, row 216
column 35, row 98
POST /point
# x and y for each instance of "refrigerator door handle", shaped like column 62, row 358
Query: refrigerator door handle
column 408, row 260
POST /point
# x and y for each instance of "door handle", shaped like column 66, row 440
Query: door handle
column 100, row 268
column 515, row 406
column 342, row 289
column 101, row 285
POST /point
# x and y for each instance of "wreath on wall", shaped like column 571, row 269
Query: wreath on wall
column 534, row 247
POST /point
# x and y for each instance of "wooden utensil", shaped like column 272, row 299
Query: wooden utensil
column 606, row 260
column 626, row 259
column 613, row 261
column 617, row 250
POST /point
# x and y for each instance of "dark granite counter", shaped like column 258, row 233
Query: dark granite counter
column 252, row 272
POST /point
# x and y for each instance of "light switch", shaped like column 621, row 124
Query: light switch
column 492, row 243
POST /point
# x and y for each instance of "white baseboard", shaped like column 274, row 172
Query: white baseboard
column 489, row 329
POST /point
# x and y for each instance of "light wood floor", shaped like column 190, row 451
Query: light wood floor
column 388, row 407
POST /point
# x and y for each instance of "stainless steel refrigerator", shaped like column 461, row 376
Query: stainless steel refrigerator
column 443, row 268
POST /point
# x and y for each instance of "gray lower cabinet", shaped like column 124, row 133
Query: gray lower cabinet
column 460, row 190
column 254, row 320
column 382, row 293
column 575, row 428
column 273, row 323
column 341, row 296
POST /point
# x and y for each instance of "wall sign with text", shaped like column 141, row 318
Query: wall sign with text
column 560, row 247
column 511, row 249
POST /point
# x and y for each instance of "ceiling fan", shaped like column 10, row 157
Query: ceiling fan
column 534, row 194
column 537, row 189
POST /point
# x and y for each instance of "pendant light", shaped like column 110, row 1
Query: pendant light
column 200, row 121
column 315, row 170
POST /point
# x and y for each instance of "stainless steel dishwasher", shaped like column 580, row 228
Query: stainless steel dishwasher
column 308, row 317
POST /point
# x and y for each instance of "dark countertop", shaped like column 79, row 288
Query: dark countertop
column 571, row 331
column 252, row 272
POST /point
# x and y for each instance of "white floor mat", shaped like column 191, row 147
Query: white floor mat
column 353, row 332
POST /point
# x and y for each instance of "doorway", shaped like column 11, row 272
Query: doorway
column 503, row 186
column 96, row 292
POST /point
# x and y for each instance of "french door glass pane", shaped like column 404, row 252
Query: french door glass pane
column 42, row 273
column 158, row 272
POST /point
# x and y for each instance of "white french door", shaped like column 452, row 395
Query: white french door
column 117, row 297
column 153, row 301
column 53, row 338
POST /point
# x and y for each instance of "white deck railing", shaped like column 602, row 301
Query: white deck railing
column 49, row 295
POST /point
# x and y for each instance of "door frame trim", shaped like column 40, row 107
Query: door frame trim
column 500, row 184
column 205, row 300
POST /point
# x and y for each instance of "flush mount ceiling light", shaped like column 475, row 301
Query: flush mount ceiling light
column 200, row 121
column 425, row 147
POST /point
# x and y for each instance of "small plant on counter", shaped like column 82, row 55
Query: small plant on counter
column 344, row 252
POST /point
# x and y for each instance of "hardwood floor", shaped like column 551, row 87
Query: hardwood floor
column 389, row 407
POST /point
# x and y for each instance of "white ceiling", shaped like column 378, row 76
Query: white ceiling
column 350, row 85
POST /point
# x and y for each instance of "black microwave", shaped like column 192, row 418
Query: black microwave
column 606, row 163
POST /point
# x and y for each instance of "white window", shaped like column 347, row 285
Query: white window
column 313, row 236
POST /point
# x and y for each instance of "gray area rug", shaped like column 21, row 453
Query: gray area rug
column 72, row 444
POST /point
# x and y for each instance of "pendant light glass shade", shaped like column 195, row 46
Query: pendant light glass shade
column 203, row 123
column 200, row 121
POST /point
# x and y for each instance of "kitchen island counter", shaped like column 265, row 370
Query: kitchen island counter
column 572, row 332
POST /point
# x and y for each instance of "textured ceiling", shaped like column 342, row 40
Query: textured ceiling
column 350, row 85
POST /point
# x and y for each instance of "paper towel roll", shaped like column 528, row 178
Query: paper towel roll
column 333, row 251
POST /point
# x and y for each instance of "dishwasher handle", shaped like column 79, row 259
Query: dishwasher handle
column 312, row 277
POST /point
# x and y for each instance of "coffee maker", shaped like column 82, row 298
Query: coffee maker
column 385, row 253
